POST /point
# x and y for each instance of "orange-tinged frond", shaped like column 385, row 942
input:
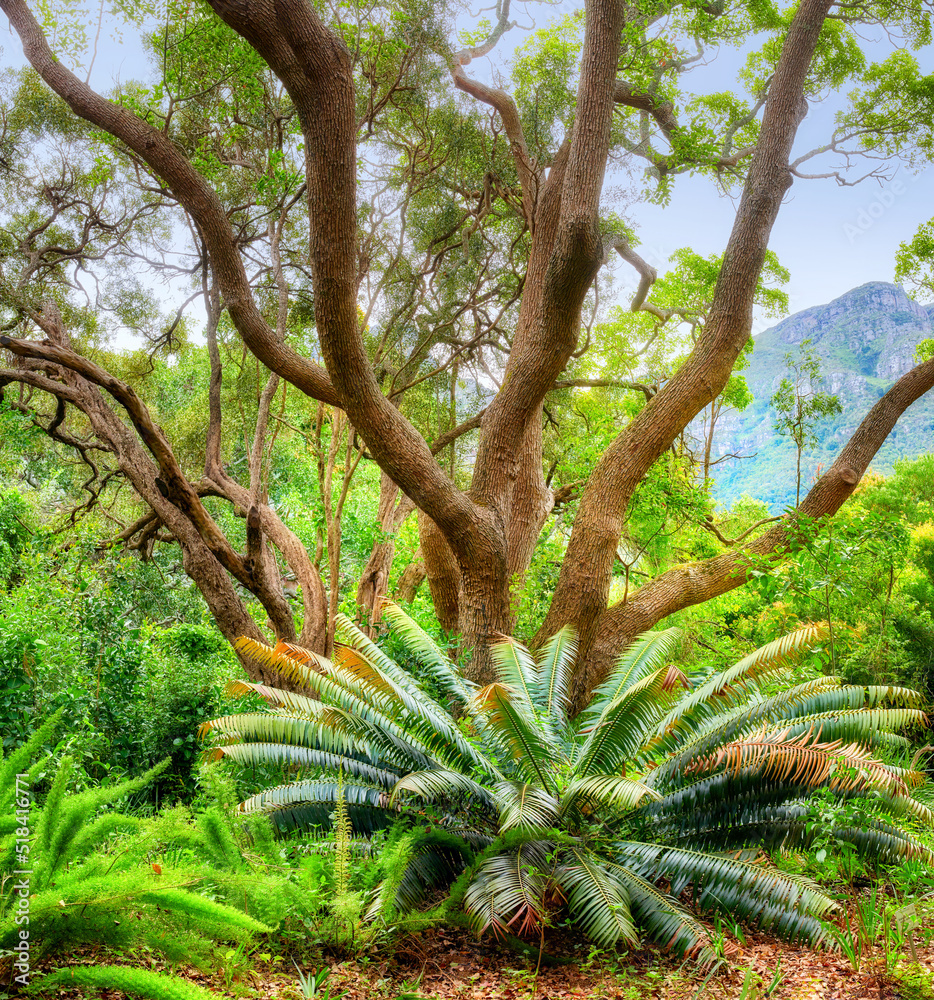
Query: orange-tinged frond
column 285, row 658
column 799, row 760
column 360, row 669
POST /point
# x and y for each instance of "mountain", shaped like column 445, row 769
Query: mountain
column 865, row 340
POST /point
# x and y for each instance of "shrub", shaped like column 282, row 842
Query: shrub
column 530, row 812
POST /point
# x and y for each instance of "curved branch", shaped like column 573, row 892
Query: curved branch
column 686, row 586
column 506, row 108
column 192, row 191
column 174, row 484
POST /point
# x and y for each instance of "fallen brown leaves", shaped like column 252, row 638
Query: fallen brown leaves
column 452, row 965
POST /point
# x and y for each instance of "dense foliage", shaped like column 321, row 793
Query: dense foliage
column 533, row 811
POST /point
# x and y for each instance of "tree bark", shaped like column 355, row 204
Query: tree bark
column 411, row 579
column 584, row 581
column 374, row 581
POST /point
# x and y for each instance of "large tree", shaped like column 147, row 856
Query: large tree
column 518, row 190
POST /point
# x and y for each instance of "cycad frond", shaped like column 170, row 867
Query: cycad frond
column 441, row 783
column 769, row 659
column 305, row 804
column 555, row 661
column 722, row 882
column 283, row 753
column 597, row 899
column 683, row 747
column 620, row 728
column 850, row 696
column 428, row 653
column 352, row 636
column 429, row 869
column 507, row 890
column 525, row 806
column 861, row 724
column 327, row 729
column 608, row 790
column 800, row 760
column 666, row 920
column 325, row 680
column 291, row 700
column 423, row 719
column 291, row 661
column 645, row 655
column 515, row 667
column 526, row 743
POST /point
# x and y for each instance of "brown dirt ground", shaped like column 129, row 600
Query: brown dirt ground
column 452, row 965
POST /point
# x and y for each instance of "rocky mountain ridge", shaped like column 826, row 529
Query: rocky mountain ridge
column 865, row 340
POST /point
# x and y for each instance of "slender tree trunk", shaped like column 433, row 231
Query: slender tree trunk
column 374, row 581
column 411, row 579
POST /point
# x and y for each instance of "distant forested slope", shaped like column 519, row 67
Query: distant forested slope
column 865, row 340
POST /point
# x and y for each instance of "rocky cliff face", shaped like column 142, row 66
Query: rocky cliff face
column 865, row 339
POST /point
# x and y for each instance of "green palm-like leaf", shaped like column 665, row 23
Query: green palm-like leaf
column 416, row 714
column 555, row 661
column 804, row 761
column 728, row 884
column 429, row 869
column 251, row 754
column 612, row 791
column 441, row 783
column 304, row 804
column 516, row 668
column 427, row 651
column 769, row 659
column 620, row 729
column 518, row 734
column 856, row 723
column 525, row 806
column 666, row 920
column 647, row 653
column 507, row 891
column 597, row 898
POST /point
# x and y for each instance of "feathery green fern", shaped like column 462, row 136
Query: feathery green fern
column 135, row 982
column 90, row 878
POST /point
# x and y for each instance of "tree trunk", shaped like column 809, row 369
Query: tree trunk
column 374, row 581
column 411, row 579
column 443, row 574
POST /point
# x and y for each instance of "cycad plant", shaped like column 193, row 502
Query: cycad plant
column 653, row 805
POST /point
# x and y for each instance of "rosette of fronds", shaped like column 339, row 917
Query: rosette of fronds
column 651, row 807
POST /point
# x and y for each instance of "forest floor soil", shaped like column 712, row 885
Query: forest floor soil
column 452, row 965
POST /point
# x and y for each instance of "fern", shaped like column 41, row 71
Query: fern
column 135, row 982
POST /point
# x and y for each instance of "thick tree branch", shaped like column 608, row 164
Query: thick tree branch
column 192, row 191
column 583, row 585
column 315, row 67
